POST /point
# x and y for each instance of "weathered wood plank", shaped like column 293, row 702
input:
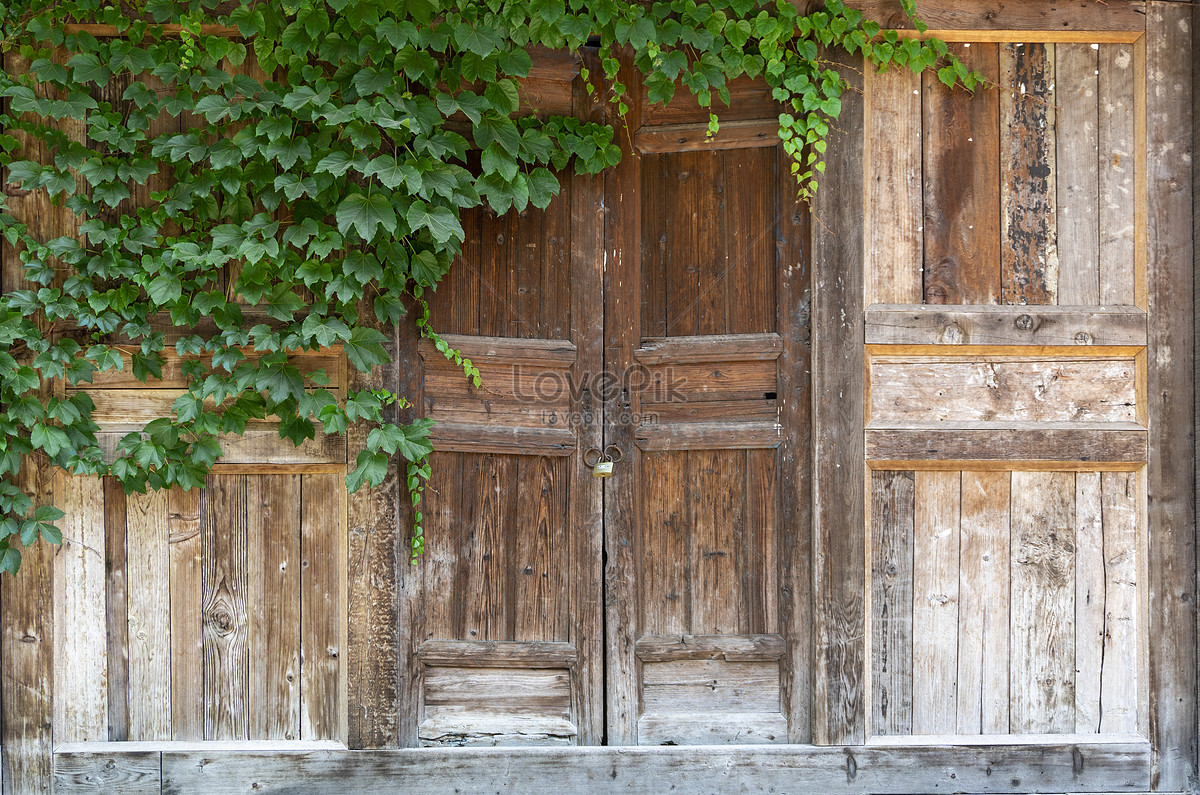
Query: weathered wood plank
column 1078, row 220
column 1089, row 601
column 149, row 618
column 961, row 179
column 540, row 562
column 710, row 687
column 747, row 277
column 943, row 325
column 664, row 597
column 187, row 636
column 703, row 348
column 1028, row 242
column 1059, row 766
column 80, row 646
column 732, row 648
column 1098, row 447
column 1042, row 683
column 892, row 602
column 135, row 772
column 117, row 607
column 1171, row 513
column 731, row 728
column 498, row 654
column 983, row 607
column 894, row 244
column 1121, row 685
column 320, row 607
column 838, row 656
column 656, row 139
column 937, row 501
column 1090, row 18
column 477, row 438
column 708, row 435
column 223, row 584
column 273, row 595
column 1118, row 200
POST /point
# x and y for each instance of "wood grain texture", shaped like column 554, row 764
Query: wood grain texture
column 1076, row 91
column 655, row 139
column 1121, row 679
column 149, row 619
column 137, row 772
column 937, row 500
column 838, row 656
column 80, row 647
column 185, row 544
column 1090, row 17
column 1001, row 447
column 1090, row 605
column 1028, row 173
column 892, row 602
column 983, row 611
column 942, row 325
column 1058, row 765
column 117, row 607
column 1042, row 683
column 273, row 506
column 224, row 616
column 961, row 186
column 1172, row 582
column 1118, row 198
column 894, row 245
column 320, row 607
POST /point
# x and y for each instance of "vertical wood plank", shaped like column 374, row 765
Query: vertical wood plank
column 80, row 646
column 320, row 611
column 1028, row 238
column 487, row 607
column 1120, row 685
column 1118, row 206
column 585, row 508
column 1171, row 514
column 961, row 185
column 894, row 195
column 1042, row 684
column 715, row 489
column 405, row 611
column 983, row 611
column 748, row 281
column 1090, row 601
column 149, row 616
column 757, row 545
column 839, row 534
column 273, row 591
column 223, row 584
column 117, row 606
column 793, row 275
column 187, row 636
column 892, row 602
column 937, row 497
column 539, row 567
column 1078, row 189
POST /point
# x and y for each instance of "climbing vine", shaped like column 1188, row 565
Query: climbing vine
column 317, row 203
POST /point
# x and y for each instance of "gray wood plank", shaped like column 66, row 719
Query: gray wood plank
column 1005, row 325
column 892, row 602
column 128, row 772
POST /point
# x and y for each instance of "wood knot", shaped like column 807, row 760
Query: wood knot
column 1024, row 323
column 1083, row 338
column 952, row 334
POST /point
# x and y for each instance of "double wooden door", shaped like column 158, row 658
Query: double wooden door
column 656, row 315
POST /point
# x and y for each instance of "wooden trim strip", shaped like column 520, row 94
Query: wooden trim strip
column 1075, row 765
column 996, row 16
column 709, row 436
column 497, row 654
column 505, row 350
column 952, row 36
column 660, row 138
column 710, row 348
column 1074, row 327
column 1004, row 446
column 731, row 648
column 466, row 437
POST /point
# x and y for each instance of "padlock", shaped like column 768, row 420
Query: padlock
column 602, row 469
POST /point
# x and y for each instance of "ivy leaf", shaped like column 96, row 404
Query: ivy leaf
column 365, row 348
column 10, row 559
column 366, row 214
column 50, row 438
column 388, row 169
column 164, row 289
column 543, row 187
column 370, row 470
column 481, row 40
column 440, row 221
column 88, row 69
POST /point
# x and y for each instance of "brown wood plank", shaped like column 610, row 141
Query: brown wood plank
column 1042, row 669
column 707, row 348
column 728, row 647
column 961, row 186
column 749, row 99
column 757, row 545
column 498, row 654
column 1086, row 17
column 891, row 602
column 149, row 621
column 715, row 487
column 320, row 607
column 1172, row 568
column 941, row 325
column 661, row 138
column 747, row 276
column 1120, row 448
column 839, row 552
column 117, row 607
column 1117, row 178
column 708, row 435
column 223, row 582
column 1078, row 222
column 540, row 562
column 273, row 594
column 935, row 609
column 487, row 608
column 704, row 246
column 1028, row 242
column 515, row 440
column 894, row 194
column 187, row 637
column 664, row 557
column 983, row 606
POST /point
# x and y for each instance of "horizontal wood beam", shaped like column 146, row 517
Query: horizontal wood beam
column 756, row 133
column 709, row 435
column 465, row 437
column 1080, row 327
column 1066, row 766
column 497, row 654
column 505, row 350
column 1074, row 448
column 710, row 348
column 731, row 648
column 946, row 17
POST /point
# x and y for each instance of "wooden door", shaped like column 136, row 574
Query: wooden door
column 706, row 519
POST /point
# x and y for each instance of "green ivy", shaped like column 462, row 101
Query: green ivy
column 332, row 191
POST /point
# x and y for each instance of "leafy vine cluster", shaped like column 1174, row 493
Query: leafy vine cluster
column 316, row 203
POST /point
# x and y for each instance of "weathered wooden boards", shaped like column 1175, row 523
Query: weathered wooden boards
column 202, row 615
column 1008, row 603
column 1025, row 194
